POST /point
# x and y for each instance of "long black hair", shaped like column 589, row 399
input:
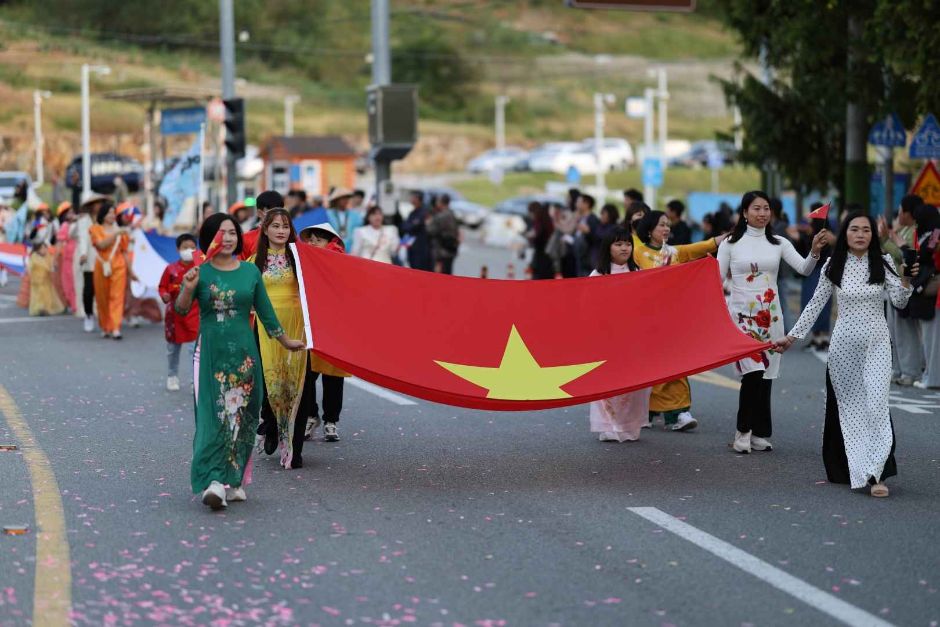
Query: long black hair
column 840, row 253
column 261, row 254
column 646, row 225
column 619, row 234
column 741, row 226
column 210, row 226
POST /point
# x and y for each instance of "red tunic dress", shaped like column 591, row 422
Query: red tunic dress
column 178, row 329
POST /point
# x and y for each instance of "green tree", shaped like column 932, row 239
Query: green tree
column 446, row 80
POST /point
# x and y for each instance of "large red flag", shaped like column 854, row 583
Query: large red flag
column 515, row 345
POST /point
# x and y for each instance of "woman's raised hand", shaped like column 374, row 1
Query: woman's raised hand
column 191, row 278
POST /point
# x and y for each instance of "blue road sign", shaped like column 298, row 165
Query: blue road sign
column 182, row 121
column 876, row 196
column 926, row 142
column 652, row 172
column 888, row 132
column 573, row 176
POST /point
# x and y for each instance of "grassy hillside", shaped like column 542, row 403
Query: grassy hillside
column 549, row 59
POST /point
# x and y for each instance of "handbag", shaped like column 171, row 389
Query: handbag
column 106, row 269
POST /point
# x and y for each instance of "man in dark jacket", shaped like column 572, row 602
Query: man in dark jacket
column 680, row 233
column 415, row 233
column 445, row 236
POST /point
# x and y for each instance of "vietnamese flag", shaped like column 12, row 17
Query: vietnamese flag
column 515, row 345
column 820, row 214
column 215, row 246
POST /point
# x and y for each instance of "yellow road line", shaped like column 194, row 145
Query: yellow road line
column 713, row 378
column 52, row 592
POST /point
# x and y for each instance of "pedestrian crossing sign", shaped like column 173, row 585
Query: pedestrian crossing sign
column 927, row 185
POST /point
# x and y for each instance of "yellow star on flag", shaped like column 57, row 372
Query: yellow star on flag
column 519, row 377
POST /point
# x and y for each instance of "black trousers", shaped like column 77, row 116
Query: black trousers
column 332, row 397
column 447, row 266
column 88, row 293
column 754, row 405
column 833, row 450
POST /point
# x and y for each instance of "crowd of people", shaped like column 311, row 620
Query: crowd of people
column 233, row 304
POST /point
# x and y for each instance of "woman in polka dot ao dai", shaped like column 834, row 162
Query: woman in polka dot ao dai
column 858, row 439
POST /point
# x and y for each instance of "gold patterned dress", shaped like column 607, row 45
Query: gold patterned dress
column 284, row 371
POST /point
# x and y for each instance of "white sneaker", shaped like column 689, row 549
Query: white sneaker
column 173, row 384
column 761, row 444
column 608, row 436
column 89, row 324
column 312, row 423
column 214, row 496
column 329, row 432
column 920, row 385
column 235, row 495
column 136, row 321
column 742, row 442
column 685, row 422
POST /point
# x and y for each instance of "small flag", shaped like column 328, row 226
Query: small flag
column 215, row 247
column 820, row 214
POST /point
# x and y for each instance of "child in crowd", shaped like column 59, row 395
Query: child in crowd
column 179, row 329
column 43, row 298
column 619, row 419
column 323, row 236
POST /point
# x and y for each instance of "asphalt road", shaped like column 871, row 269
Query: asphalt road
column 430, row 515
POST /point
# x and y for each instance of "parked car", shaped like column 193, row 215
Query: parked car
column 701, row 151
column 508, row 221
column 616, row 152
column 552, row 157
column 9, row 181
column 509, row 158
column 105, row 167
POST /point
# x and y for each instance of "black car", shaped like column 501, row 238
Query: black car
column 105, row 167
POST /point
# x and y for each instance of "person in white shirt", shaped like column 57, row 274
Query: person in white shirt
column 84, row 259
column 375, row 241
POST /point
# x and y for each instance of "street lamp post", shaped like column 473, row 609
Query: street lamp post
column 289, row 102
column 100, row 70
column 38, row 96
column 649, row 192
column 501, row 102
column 600, row 101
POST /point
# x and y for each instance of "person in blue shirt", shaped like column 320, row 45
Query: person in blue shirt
column 341, row 217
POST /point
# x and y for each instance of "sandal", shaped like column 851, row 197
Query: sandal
column 879, row 490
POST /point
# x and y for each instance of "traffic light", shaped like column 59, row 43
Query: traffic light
column 235, row 127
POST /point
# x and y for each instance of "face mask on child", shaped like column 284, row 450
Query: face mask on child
column 186, row 254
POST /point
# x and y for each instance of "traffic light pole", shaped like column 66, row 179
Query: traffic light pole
column 381, row 75
column 227, row 50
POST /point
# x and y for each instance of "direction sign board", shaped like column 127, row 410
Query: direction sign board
column 573, row 175
column 182, row 121
column 926, row 141
column 634, row 5
column 652, row 172
column 888, row 132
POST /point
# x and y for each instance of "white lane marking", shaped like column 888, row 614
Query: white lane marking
column 31, row 319
column 785, row 582
column 381, row 392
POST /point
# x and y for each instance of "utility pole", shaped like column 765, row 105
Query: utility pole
column 227, row 51
column 381, row 75
column 37, row 127
column 856, row 163
column 289, row 102
column 600, row 101
column 86, row 125
column 649, row 192
column 501, row 102
column 662, row 94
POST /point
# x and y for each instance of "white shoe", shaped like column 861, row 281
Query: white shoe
column 742, row 442
column 173, row 384
column 330, row 433
column 761, row 444
column 685, row 422
column 136, row 321
column 235, row 495
column 312, row 423
column 89, row 324
column 608, row 436
column 214, row 496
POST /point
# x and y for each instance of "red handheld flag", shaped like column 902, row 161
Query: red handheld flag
column 515, row 345
column 215, row 246
column 820, row 214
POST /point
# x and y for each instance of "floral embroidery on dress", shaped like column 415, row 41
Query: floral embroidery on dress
column 235, row 393
column 223, row 302
column 277, row 267
column 763, row 312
